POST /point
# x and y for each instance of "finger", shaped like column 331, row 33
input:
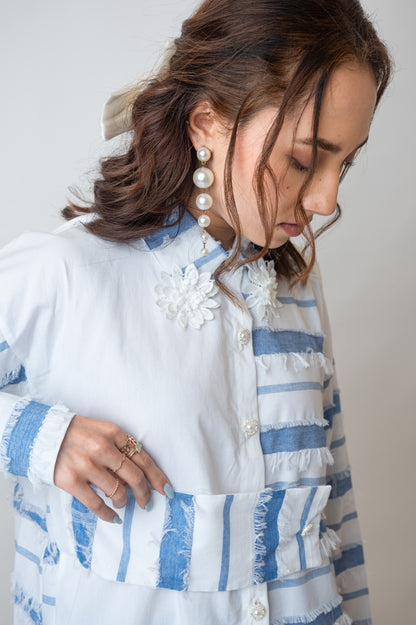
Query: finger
column 153, row 473
column 86, row 495
column 136, row 479
column 111, row 485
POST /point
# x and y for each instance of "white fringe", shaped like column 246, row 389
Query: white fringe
column 344, row 619
column 301, row 459
column 47, row 443
column 329, row 542
column 8, row 430
column 260, row 512
column 314, row 614
column 188, row 531
column 292, row 424
column 297, row 361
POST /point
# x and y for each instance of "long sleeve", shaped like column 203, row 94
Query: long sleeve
column 341, row 514
column 31, row 430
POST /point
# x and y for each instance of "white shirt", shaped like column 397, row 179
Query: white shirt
column 239, row 407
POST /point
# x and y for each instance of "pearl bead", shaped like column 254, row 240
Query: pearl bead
column 205, row 236
column 244, row 336
column 204, row 221
column 204, row 154
column 204, row 251
column 307, row 530
column 203, row 178
column 204, row 201
column 250, row 427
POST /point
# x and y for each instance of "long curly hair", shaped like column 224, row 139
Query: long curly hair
column 240, row 56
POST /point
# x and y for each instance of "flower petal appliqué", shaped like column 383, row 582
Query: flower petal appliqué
column 262, row 290
column 188, row 296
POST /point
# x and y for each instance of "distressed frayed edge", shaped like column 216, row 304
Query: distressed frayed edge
column 47, row 444
column 293, row 424
column 259, row 516
column 297, row 361
column 301, row 459
column 26, row 604
column 188, row 532
column 344, row 619
column 314, row 614
column 330, row 542
column 8, row 430
column 10, row 376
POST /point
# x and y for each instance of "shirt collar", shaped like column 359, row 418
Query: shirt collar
column 181, row 244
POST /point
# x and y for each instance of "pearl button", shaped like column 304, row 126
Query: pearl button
column 307, row 529
column 250, row 427
column 257, row 611
column 244, row 336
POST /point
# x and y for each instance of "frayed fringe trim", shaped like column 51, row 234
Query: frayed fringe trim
column 47, row 443
column 188, row 532
column 8, row 430
column 329, row 542
column 311, row 616
column 301, row 459
column 344, row 619
column 260, row 512
column 31, row 609
column 293, row 424
column 297, row 361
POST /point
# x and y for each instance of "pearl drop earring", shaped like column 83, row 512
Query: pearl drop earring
column 203, row 178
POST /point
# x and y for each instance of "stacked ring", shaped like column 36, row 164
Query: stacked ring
column 131, row 447
column 115, row 489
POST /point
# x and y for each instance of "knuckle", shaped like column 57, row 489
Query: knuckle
column 146, row 461
column 97, row 507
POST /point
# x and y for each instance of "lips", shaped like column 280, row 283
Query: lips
column 293, row 230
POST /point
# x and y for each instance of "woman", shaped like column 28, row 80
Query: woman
column 171, row 348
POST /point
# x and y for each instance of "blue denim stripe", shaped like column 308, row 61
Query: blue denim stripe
column 23, row 435
column 340, row 484
column 267, row 536
column 156, row 239
column 28, row 511
column 302, row 303
column 3, row 346
column 331, row 411
column 354, row 595
column 299, row 538
column 285, row 341
column 20, row 377
column 127, row 523
column 288, row 388
column 338, row 443
column 302, row 481
column 203, row 260
column 29, row 605
column 299, row 581
column 347, row 517
column 225, row 559
column 293, row 438
column 176, row 546
column 349, row 559
column 84, row 523
column 47, row 600
column 29, row 555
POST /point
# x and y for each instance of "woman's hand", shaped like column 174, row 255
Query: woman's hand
column 90, row 454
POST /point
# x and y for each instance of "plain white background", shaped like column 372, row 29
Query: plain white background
column 60, row 63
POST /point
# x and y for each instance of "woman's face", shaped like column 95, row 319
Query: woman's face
column 346, row 114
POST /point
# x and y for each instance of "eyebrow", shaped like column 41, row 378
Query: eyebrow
column 328, row 146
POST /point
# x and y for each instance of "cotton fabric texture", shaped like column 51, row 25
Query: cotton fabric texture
column 240, row 408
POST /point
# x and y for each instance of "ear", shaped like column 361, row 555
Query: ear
column 202, row 125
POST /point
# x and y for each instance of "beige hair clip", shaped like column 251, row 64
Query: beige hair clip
column 116, row 113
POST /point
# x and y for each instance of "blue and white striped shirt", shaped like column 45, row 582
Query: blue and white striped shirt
column 239, row 407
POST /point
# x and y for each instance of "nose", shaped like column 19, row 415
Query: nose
column 321, row 195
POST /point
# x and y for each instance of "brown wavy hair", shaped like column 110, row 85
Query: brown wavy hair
column 240, row 56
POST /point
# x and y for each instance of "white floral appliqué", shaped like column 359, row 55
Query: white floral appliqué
column 263, row 289
column 187, row 297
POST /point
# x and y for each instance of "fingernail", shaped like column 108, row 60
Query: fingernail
column 169, row 490
column 117, row 520
column 149, row 505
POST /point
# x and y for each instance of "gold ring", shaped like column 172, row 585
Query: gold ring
column 131, row 446
column 115, row 489
column 121, row 462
